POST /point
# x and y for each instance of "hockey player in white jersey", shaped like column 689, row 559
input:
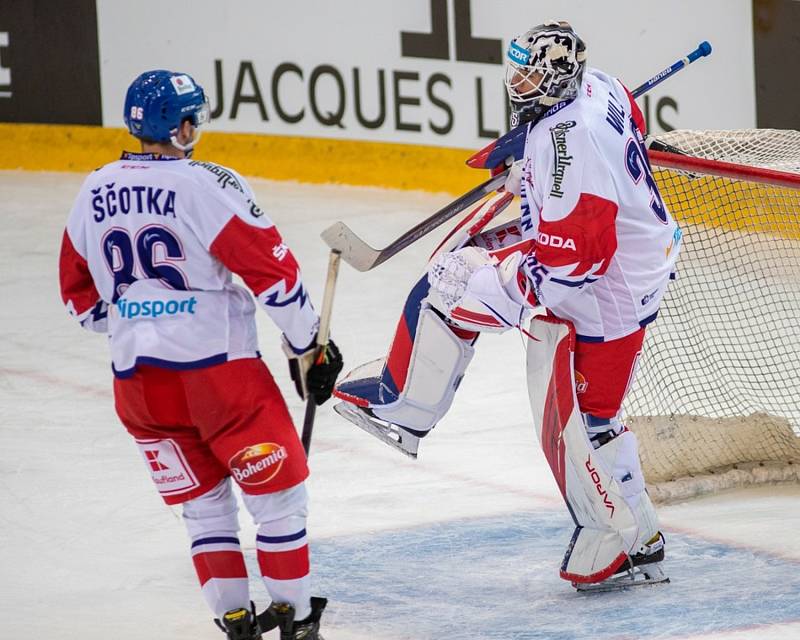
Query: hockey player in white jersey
column 589, row 259
column 147, row 257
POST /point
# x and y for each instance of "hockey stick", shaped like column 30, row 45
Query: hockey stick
column 500, row 153
column 509, row 147
column 322, row 340
column 363, row 257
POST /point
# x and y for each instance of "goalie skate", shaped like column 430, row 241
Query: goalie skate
column 393, row 435
column 638, row 570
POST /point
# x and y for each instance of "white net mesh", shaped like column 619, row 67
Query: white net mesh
column 766, row 148
column 718, row 388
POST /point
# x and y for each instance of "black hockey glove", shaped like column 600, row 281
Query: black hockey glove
column 314, row 377
column 323, row 373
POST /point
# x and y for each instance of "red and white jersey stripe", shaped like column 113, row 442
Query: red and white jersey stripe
column 148, row 255
column 605, row 243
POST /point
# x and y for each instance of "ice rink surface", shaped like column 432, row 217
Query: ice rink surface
column 464, row 543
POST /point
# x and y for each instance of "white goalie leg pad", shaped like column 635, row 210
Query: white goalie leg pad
column 438, row 361
column 621, row 457
column 607, row 529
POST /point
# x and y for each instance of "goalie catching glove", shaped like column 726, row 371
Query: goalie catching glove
column 314, row 371
column 476, row 291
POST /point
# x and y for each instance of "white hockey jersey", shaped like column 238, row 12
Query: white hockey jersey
column 147, row 256
column 605, row 242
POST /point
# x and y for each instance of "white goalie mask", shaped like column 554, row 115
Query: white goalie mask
column 543, row 66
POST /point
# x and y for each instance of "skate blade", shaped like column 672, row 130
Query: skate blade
column 640, row 576
column 396, row 437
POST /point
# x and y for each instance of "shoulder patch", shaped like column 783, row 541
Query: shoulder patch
column 224, row 177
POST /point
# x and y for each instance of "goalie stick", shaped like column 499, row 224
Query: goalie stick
column 363, row 257
column 497, row 156
column 509, row 147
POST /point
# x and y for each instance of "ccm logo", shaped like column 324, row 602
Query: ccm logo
column 556, row 241
column 599, row 486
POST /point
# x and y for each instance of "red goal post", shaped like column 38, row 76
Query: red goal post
column 716, row 403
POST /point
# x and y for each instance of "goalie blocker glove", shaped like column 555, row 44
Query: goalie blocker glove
column 314, row 374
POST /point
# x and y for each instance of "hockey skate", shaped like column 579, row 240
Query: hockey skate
column 243, row 624
column 308, row 628
column 639, row 569
column 392, row 434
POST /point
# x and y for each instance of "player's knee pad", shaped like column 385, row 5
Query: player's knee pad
column 270, row 507
column 437, row 364
column 215, row 510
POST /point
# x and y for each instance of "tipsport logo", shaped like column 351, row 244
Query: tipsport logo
column 130, row 309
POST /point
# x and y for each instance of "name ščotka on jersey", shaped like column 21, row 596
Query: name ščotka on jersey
column 109, row 200
column 562, row 158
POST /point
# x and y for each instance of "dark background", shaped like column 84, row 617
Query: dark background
column 776, row 39
column 54, row 61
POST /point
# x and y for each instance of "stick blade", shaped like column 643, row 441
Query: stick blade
column 355, row 252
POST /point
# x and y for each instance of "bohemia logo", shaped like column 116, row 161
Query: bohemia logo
column 581, row 384
column 258, row 464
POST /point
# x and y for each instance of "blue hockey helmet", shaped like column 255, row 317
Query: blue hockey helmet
column 159, row 101
column 544, row 66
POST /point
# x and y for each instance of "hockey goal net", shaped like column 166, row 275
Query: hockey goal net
column 716, row 403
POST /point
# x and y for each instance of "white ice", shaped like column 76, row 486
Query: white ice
column 463, row 543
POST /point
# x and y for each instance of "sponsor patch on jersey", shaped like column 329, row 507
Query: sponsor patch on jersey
column 675, row 241
column 561, row 156
column 556, row 108
column 224, row 177
column 168, row 466
column 559, row 242
column 649, row 297
column 258, row 464
column 182, row 84
column 130, row 309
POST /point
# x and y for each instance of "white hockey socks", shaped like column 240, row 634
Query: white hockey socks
column 212, row 523
column 282, row 546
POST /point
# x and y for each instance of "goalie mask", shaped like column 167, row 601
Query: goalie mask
column 543, row 66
